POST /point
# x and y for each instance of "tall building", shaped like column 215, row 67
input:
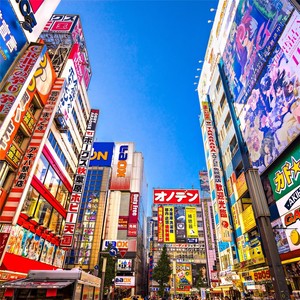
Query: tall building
column 249, row 99
column 125, row 220
column 177, row 223
column 47, row 130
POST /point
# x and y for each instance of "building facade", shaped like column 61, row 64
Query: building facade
column 249, row 99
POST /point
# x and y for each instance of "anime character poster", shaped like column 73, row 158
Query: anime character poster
column 59, row 257
column 47, row 253
column 254, row 33
column 14, row 244
column 271, row 117
column 280, row 236
column 27, row 243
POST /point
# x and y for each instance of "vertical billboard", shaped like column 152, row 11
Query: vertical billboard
column 79, row 181
column 179, row 211
column 183, row 278
column 101, row 154
column 204, row 181
column 160, row 224
column 33, row 15
column 71, row 90
column 271, row 117
column 254, row 33
column 169, row 224
column 122, row 166
column 133, row 214
column 12, row 40
column 218, row 194
column 41, row 84
column 285, row 182
column 191, row 222
column 27, row 167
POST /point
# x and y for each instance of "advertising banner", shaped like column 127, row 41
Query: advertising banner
column 280, row 236
column 122, row 166
column 133, row 214
column 17, row 82
column 79, row 181
column 183, row 196
column 285, row 180
column 14, row 203
column 220, row 197
column 125, row 281
column 191, row 222
column 70, row 91
column 183, row 277
column 271, row 117
column 124, row 265
column 204, row 181
column 160, row 224
column 169, row 224
column 33, row 15
column 180, row 224
column 254, row 33
column 123, row 223
column 11, row 41
column 41, row 84
column 102, row 154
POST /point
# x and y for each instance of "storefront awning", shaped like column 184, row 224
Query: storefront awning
column 17, row 263
column 29, row 284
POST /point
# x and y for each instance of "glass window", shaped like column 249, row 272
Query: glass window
column 42, row 212
column 55, row 222
column 30, row 202
column 41, row 168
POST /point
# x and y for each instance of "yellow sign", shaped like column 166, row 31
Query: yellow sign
column 191, row 222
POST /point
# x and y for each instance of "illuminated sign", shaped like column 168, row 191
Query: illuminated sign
column 127, row 281
column 12, row 40
column 122, row 166
column 133, row 214
column 182, row 196
column 33, row 15
column 160, row 224
column 44, row 71
column 191, row 222
column 124, row 265
column 220, row 198
column 102, row 154
column 79, row 181
column 169, row 224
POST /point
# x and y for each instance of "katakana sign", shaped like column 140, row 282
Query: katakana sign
column 168, row 196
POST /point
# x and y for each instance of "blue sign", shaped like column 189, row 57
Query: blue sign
column 12, row 38
column 102, row 154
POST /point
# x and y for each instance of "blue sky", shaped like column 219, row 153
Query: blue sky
column 144, row 57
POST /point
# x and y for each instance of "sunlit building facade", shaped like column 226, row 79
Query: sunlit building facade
column 249, row 99
column 46, row 124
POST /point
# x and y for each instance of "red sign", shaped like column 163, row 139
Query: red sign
column 176, row 196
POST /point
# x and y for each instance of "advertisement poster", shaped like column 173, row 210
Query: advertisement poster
column 183, row 277
column 11, row 43
column 180, row 224
column 169, row 224
column 271, row 117
column 191, row 222
column 254, row 33
column 280, row 236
